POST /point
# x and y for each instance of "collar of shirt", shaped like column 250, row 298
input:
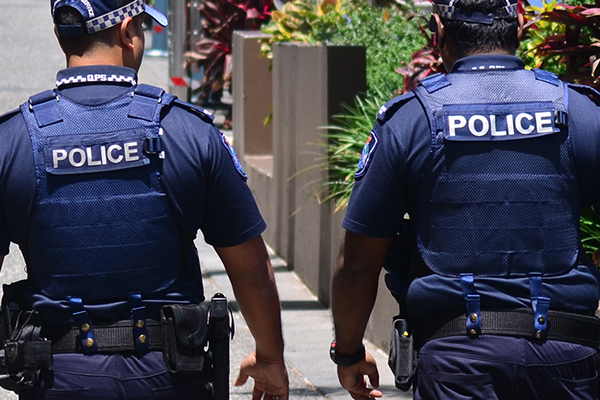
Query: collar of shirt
column 487, row 62
column 96, row 74
column 109, row 82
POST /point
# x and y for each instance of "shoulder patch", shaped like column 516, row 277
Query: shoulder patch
column 389, row 108
column 234, row 157
column 587, row 91
column 366, row 155
column 205, row 115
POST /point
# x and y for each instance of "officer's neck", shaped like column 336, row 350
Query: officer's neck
column 106, row 56
column 451, row 58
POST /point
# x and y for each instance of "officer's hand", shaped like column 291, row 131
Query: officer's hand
column 270, row 378
column 353, row 379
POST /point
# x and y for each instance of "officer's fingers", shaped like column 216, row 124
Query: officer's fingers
column 365, row 394
column 241, row 378
column 256, row 393
column 374, row 379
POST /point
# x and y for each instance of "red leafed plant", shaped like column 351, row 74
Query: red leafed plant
column 213, row 50
column 425, row 62
column 571, row 44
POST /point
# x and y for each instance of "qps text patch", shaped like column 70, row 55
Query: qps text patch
column 79, row 154
column 485, row 122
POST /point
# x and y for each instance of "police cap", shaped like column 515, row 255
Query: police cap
column 103, row 14
column 450, row 9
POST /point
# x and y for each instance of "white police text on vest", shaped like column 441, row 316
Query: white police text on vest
column 86, row 154
column 497, row 122
column 114, row 154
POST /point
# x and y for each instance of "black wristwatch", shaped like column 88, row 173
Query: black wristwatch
column 346, row 361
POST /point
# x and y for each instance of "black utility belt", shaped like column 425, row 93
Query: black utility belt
column 113, row 338
column 562, row 326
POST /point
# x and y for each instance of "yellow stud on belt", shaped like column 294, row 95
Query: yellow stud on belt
column 142, row 339
column 89, row 342
column 139, row 323
column 85, row 327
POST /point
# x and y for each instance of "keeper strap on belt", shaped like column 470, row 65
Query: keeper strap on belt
column 114, row 338
column 563, row 326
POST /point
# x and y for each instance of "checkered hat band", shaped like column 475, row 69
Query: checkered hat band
column 96, row 78
column 447, row 11
column 115, row 17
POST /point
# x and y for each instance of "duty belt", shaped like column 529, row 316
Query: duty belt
column 114, row 338
column 563, row 326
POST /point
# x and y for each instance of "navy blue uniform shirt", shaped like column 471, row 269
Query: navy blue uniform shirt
column 388, row 189
column 205, row 189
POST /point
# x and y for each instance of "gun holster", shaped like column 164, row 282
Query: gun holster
column 26, row 353
column 403, row 357
column 196, row 342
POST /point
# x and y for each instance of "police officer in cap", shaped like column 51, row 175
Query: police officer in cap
column 104, row 184
column 492, row 163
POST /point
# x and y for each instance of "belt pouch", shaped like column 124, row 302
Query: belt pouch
column 402, row 360
column 184, row 332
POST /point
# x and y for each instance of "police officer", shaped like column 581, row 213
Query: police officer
column 104, row 184
column 492, row 163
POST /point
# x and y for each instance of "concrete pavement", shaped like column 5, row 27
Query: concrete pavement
column 29, row 61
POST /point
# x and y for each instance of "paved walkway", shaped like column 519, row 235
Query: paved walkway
column 30, row 59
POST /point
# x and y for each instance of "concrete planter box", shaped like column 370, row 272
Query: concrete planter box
column 309, row 85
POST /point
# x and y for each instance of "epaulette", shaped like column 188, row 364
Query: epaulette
column 388, row 109
column 587, row 91
column 205, row 115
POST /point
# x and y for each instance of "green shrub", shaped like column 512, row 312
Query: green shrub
column 389, row 36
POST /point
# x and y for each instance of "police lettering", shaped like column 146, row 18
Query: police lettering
column 501, row 125
column 96, row 155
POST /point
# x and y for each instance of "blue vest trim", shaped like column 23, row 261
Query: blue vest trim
column 473, row 301
column 435, row 82
column 45, row 108
column 138, row 317
column 546, row 76
column 84, row 323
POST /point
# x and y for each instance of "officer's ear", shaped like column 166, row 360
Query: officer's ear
column 127, row 32
column 521, row 30
column 436, row 26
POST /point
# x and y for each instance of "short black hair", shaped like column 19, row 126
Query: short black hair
column 473, row 38
column 79, row 45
